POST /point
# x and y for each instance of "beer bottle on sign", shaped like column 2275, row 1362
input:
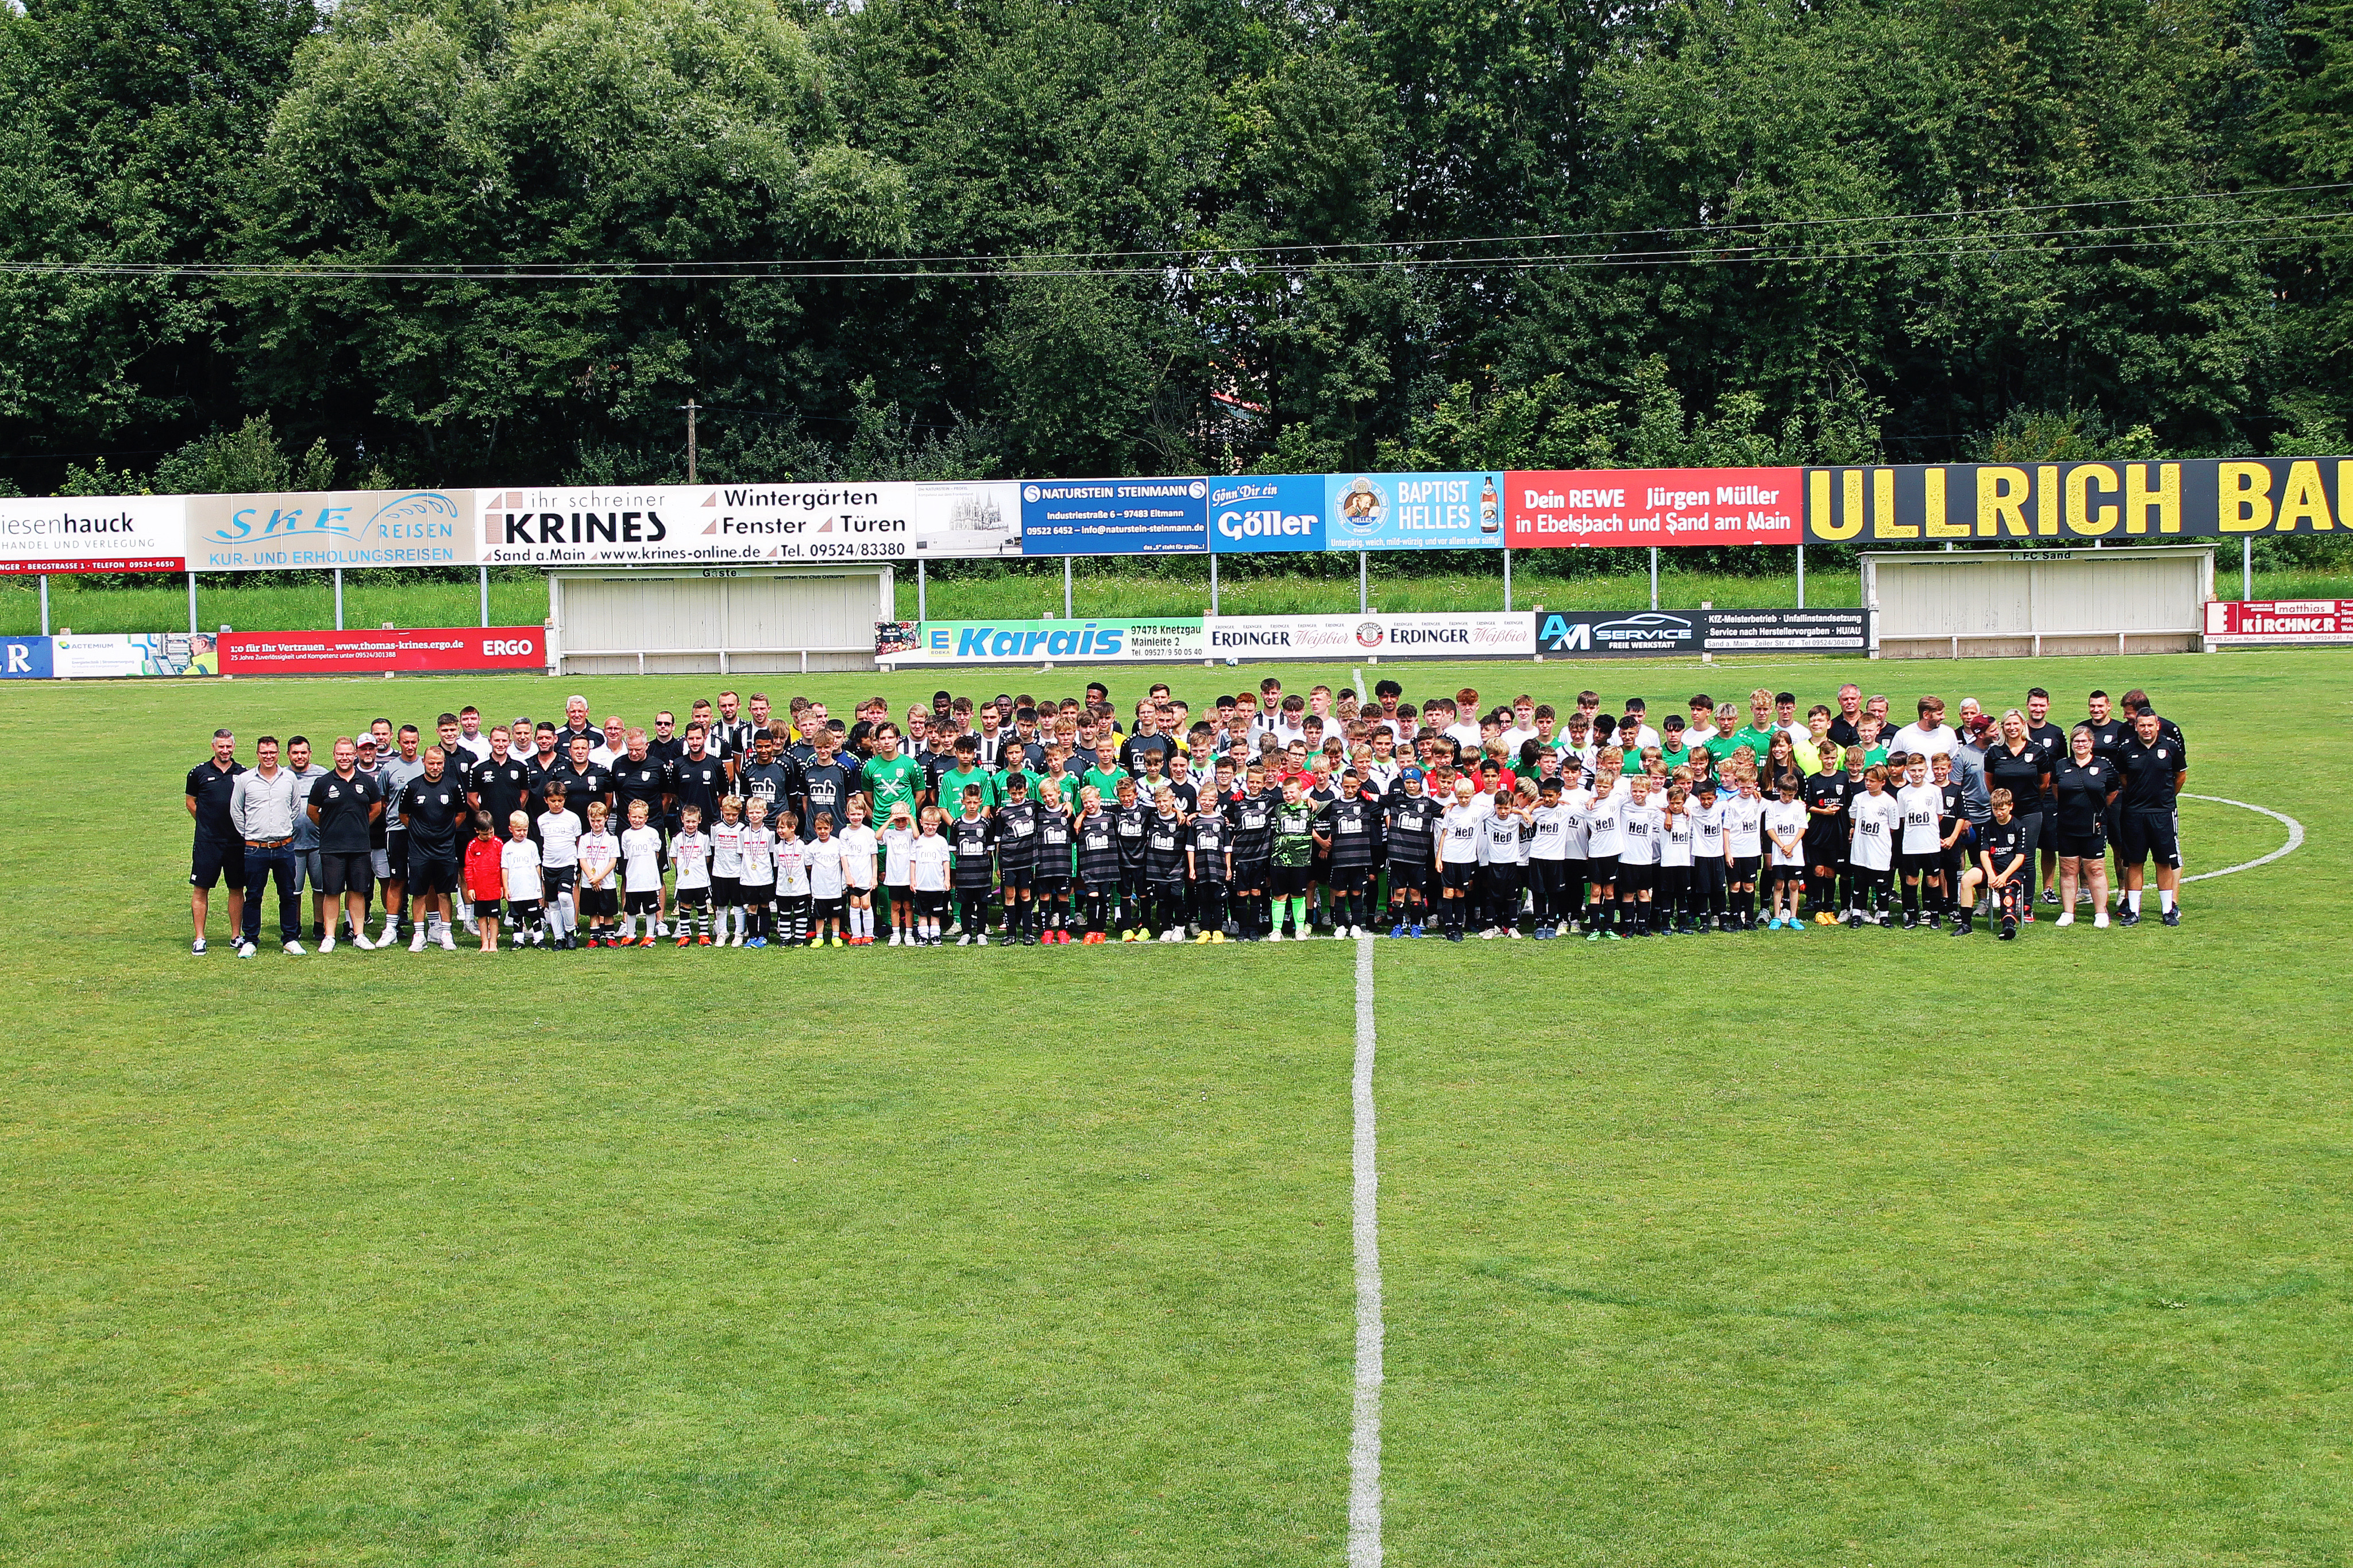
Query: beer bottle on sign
column 1490, row 508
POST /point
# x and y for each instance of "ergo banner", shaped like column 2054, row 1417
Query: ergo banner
column 445, row 648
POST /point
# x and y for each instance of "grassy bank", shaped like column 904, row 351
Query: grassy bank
column 261, row 604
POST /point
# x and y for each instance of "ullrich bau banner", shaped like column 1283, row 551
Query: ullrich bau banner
column 1589, row 508
column 2141, row 503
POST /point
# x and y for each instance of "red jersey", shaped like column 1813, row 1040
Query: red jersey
column 485, row 871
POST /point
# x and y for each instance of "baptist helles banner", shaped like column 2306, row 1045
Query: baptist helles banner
column 746, row 525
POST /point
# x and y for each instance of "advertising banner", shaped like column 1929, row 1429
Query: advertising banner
column 2230, row 621
column 1041, row 642
column 93, row 533
column 1114, row 516
column 1414, row 512
column 1658, row 633
column 701, row 525
column 84, row 656
column 25, row 659
column 2140, row 503
column 1376, row 635
column 446, row 648
column 1584, row 508
column 329, row 528
column 1283, row 513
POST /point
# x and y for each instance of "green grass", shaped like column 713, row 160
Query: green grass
column 1843, row 1247
column 264, row 603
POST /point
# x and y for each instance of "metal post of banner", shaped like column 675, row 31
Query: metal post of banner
column 191, row 603
column 45, row 604
column 1654, row 576
column 2247, row 568
column 485, row 594
column 1066, row 589
column 919, row 590
column 1213, row 584
column 1364, row 597
column 1801, row 576
column 339, row 598
column 1507, row 582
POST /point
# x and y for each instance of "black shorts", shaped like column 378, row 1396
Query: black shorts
column 1913, row 864
column 1411, row 877
column 726, row 891
column 1053, row 887
column 599, row 901
column 1825, row 848
column 353, row 872
column 1636, row 878
column 1289, row 881
column 431, row 874
column 1018, row 878
column 932, row 906
column 1744, row 867
column 1349, row 878
column 1500, row 881
column 1776, row 875
column 486, row 909
column 1250, row 876
column 395, row 855
column 755, row 894
column 2092, row 845
column 1458, row 875
column 694, row 898
column 212, row 860
column 2150, row 835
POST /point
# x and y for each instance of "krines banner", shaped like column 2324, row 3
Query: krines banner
column 691, row 525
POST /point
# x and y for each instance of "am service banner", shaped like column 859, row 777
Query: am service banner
column 1274, row 512
column 1592, row 506
column 2137, row 503
column 1114, row 516
column 450, row 649
column 694, row 525
column 1661, row 634
column 325, row 528
column 93, row 533
column 1041, row 642
column 1414, row 512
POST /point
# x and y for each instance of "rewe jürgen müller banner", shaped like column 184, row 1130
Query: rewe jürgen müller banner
column 1615, row 506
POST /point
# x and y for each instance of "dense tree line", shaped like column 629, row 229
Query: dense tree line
column 1221, row 233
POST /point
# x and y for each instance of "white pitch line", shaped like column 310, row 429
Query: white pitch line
column 1365, row 1441
column 2295, row 836
column 1360, row 681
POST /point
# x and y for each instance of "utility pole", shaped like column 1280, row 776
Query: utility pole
column 690, row 408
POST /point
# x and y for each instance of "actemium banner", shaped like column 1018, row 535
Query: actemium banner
column 93, row 533
column 308, row 531
column 743, row 525
column 2120, row 502
column 1590, row 508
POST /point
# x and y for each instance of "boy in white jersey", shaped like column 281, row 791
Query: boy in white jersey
column 899, row 835
column 1672, row 902
column 600, row 861
column 1577, row 801
column 559, row 866
column 1457, row 857
column 792, row 882
column 928, row 863
column 858, row 844
column 759, row 887
column 641, row 877
column 1603, row 842
column 525, row 886
column 1547, row 848
column 1785, row 828
column 1708, row 868
column 1640, row 823
column 829, row 883
column 1744, row 849
column 727, row 871
column 691, row 853
column 1500, row 876
column 1921, row 853
column 1876, row 821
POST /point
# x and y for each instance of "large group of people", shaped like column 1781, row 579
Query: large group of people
column 1269, row 816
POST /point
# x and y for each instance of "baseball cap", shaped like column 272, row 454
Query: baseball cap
column 363, row 739
column 1413, row 773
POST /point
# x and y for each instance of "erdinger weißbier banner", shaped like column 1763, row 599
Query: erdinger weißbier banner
column 1594, row 508
column 2121, row 502
column 742, row 525
column 93, row 533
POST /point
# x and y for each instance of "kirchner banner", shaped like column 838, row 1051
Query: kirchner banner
column 1606, row 507
column 93, row 533
column 2208, row 498
column 2238, row 621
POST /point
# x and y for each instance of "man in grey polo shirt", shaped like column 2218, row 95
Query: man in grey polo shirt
column 306, row 832
column 262, row 804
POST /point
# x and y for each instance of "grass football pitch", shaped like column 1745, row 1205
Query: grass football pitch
column 1841, row 1248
